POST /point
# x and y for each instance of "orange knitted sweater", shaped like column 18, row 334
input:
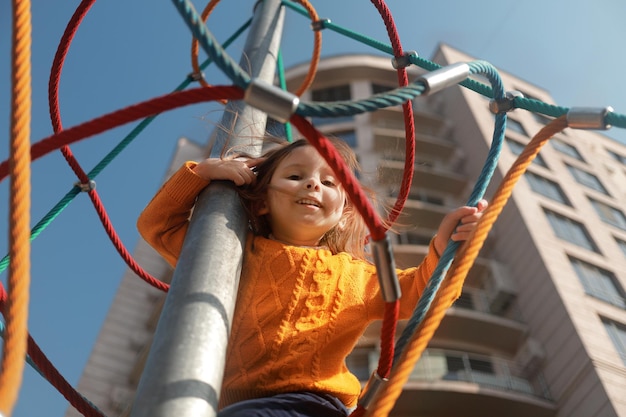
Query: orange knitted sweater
column 299, row 311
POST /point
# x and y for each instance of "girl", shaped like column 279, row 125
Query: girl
column 306, row 291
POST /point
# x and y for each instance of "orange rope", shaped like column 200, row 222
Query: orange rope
column 451, row 286
column 16, row 310
column 195, row 45
column 317, row 48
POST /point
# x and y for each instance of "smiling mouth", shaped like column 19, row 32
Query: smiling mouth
column 307, row 202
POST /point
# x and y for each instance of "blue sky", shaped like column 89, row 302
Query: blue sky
column 127, row 52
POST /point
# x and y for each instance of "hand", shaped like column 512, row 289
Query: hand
column 458, row 225
column 239, row 171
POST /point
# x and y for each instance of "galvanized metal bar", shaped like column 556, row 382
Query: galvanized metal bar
column 184, row 370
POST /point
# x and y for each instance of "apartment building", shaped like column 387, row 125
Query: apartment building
column 540, row 329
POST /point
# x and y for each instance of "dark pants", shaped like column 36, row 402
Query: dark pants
column 296, row 404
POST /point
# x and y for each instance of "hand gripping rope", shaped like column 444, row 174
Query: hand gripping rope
column 285, row 106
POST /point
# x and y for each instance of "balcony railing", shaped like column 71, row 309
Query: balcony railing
column 486, row 371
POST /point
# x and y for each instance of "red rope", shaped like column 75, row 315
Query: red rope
column 87, row 129
column 349, row 182
column 126, row 115
column 55, row 117
column 407, row 109
column 52, row 375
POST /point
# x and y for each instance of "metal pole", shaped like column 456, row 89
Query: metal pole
column 184, row 370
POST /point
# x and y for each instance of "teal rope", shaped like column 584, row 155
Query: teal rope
column 390, row 98
column 335, row 109
column 427, row 297
column 33, row 365
column 212, row 48
column 283, row 85
column 66, row 200
column 327, row 24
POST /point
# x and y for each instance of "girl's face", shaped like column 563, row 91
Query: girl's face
column 304, row 198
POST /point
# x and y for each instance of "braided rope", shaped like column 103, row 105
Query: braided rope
column 16, row 309
column 453, row 284
column 482, row 182
column 126, row 115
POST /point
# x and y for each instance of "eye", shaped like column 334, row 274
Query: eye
column 293, row 177
column 329, row 183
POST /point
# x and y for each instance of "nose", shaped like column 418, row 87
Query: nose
column 312, row 184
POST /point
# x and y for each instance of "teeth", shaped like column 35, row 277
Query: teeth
column 309, row 202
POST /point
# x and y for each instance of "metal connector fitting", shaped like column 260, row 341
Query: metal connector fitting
column 444, row 77
column 588, row 118
column 86, row 187
column 403, row 61
column 371, row 389
column 319, row 24
column 386, row 268
column 279, row 104
column 505, row 104
column 196, row 76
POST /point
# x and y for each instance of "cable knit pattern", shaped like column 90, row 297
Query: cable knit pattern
column 299, row 310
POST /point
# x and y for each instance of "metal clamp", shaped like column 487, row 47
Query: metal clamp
column 403, row 61
column 505, row 104
column 86, row 187
column 386, row 268
column 588, row 118
column 374, row 384
column 444, row 77
column 196, row 76
column 278, row 103
column 319, row 24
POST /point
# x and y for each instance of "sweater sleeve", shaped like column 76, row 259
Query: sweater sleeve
column 412, row 281
column 164, row 221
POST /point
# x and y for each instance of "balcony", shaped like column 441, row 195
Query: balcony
column 390, row 140
column 425, row 177
column 421, row 214
column 425, row 123
column 452, row 383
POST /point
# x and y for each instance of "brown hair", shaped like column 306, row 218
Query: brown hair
column 351, row 236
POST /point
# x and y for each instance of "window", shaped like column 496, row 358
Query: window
column 619, row 158
column 622, row 244
column 617, row 333
column 515, row 126
column 566, row 149
column 570, row 230
column 516, row 148
column 337, row 93
column 465, row 300
column 587, row 179
column 379, row 88
column 599, row 283
column 546, row 187
column 609, row 214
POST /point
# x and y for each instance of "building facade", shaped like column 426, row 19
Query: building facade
column 540, row 329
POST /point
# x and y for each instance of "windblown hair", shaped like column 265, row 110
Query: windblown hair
column 351, row 237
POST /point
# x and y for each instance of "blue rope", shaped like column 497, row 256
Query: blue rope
column 210, row 45
column 425, row 301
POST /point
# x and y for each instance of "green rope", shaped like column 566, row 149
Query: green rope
column 327, row 24
column 283, row 84
column 65, row 201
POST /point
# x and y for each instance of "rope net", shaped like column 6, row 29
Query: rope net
column 397, row 357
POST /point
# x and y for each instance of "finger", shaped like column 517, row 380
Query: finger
column 252, row 162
